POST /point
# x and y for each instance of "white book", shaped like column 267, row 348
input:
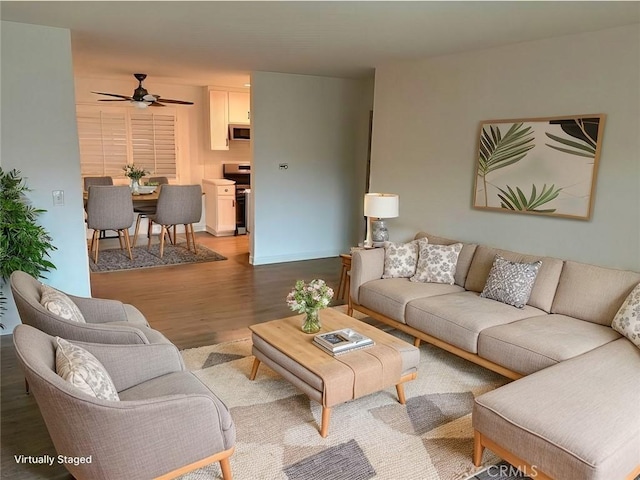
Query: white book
column 342, row 340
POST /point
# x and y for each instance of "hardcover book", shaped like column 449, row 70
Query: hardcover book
column 341, row 341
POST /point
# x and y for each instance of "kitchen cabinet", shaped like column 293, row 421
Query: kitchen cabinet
column 240, row 108
column 219, row 119
column 220, row 206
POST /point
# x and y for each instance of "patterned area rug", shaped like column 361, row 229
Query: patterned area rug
column 372, row 437
column 115, row 259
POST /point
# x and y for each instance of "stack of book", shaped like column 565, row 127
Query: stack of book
column 341, row 341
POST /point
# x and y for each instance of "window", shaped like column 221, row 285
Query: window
column 110, row 138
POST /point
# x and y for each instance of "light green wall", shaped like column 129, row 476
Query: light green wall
column 318, row 126
column 426, row 119
column 39, row 138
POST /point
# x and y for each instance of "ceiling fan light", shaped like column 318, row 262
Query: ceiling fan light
column 141, row 104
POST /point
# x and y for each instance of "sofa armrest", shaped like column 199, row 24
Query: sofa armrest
column 130, row 365
column 366, row 265
column 100, row 310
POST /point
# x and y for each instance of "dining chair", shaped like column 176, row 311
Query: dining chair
column 88, row 181
column 109, row 208
column 177, row 205
column 134, row 411
column 149, row 208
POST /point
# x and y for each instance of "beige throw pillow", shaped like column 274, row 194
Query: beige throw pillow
column 80, row 368
column 627, row 320
column 511, row 282
column 437, row 263
column 400, row 259
column 60, row 304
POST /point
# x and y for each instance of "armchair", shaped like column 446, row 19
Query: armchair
column 108, row 321
column 166, row 423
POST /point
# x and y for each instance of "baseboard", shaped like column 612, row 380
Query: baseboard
column 293, row 257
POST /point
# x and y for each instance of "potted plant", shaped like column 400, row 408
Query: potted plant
column 134, row 174
column 24, row 245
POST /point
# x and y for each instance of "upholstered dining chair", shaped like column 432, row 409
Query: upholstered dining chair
column 177, row 205
column 149, row 208
column 134, row 409
column 109, row 208
column 105, row 321
column 88, row 181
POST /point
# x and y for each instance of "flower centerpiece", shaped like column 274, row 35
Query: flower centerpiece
column 310, row 298
column 135, row 174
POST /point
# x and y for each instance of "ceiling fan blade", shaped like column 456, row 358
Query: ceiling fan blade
column 125, row 97
column 168, row 100
column 156, row 104
column 113, row 100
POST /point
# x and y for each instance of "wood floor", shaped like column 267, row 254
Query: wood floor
column 193, row 305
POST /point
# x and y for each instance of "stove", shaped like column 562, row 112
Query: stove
column 241, row 174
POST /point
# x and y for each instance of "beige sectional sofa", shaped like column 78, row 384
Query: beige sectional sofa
column 575, row 415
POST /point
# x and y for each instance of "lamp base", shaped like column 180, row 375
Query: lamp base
column 379, row 233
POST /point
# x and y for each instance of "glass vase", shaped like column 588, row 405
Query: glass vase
column 311, row 322
column 135, row 185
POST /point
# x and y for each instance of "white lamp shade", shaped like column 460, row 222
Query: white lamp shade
column 381, row 205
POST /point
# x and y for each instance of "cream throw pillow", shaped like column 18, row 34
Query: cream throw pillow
column 80, row 368
column 627, row 320
column 400, row 259
column 437, row 263
column 60, row 304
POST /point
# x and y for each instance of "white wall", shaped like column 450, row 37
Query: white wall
column 316, row 125
column 426, row 120
column 39, row 138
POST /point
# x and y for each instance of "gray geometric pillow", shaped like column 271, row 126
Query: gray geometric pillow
column 437, row 263
column 60, row 304
column 627, row 320
column 511, row 282
column 80, row 368
column 400, row 259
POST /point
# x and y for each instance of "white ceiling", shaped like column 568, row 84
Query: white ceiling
column 200, row 42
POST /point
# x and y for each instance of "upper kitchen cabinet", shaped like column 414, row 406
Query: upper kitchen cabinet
column 240, row 108
column 219, row 119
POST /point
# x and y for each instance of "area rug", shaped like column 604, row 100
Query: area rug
column 115, row 259
column 372, row 437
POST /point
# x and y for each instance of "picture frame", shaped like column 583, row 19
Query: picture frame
column 539, row 166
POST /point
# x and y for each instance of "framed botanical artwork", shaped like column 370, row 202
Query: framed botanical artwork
column 542, row 166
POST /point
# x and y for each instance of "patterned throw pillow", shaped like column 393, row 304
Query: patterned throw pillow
column 627, row 320
column 400, row 259
column 80, row 368
column 60, row 304
column 437, row 263
column 511, row 282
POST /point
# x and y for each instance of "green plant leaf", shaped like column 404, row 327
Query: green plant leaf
column 517, row 200
column 497, row 151
column 579, row 149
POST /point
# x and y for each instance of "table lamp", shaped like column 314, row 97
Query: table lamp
column 377, row 207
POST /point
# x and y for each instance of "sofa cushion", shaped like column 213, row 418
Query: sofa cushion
column 627, row 320
column 546, row 283
column 593, row 293
column 400, row 259
column 390, row 296
column 459, row 318
column 532, row 344
column 464, row 258
column 511, row 282
column 578, row 419
column 60, row 304
column 84, row 371
column 436, row 263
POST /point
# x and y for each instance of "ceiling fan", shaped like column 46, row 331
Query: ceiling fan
column 141, row 98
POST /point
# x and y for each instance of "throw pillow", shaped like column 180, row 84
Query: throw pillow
column 80, row 368
column 437, row 263
column 627, row 320
column 400, row 259
column 60, row 304
column 511, row 282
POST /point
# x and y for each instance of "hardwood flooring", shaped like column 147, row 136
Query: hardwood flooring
column 193, row 305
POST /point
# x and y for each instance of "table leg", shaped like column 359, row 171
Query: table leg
column 254, row 369
column 324, row 427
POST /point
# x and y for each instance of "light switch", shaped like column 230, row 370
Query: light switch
column 58, row 198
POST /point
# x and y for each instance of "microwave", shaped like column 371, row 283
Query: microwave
column 239, row 132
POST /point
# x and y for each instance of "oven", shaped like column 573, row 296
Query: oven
column 241, row 174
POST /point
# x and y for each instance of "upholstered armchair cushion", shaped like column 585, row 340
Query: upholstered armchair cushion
column 107, row 321
column 166, row 418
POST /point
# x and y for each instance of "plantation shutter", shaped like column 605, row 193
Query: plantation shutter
column 154, row 143
column 103, row 142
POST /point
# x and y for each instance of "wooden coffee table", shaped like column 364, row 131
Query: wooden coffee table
column 283, row 346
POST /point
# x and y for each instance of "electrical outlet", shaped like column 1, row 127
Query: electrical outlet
column 58, row 198
column 284, row 166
